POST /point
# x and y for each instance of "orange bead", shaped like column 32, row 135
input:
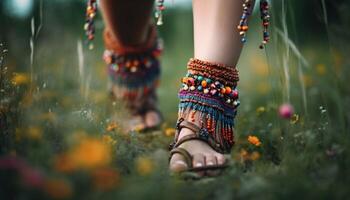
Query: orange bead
column 244, row 28
column 204, row 84
column 223, row 91
column 228, row 90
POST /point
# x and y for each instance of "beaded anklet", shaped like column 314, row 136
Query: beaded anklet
column 210, row 89
column 135, row 71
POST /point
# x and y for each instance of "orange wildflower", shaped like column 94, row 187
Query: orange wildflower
column 105, row 178
column 254, row 140
column 58, row 189
column 89, row 154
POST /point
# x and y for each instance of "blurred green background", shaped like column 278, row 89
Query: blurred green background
column 49, row 106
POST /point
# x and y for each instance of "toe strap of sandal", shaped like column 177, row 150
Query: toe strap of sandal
column 200, row 133
column 184, row 153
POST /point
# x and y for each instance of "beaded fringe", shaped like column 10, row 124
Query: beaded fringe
column 214, row 103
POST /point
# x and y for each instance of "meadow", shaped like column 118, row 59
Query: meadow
column 61, row 136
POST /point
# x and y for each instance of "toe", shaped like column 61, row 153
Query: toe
column 210, row 160
column 177, row 163
column 220, row 159
column 152, row 119
column 198, row 160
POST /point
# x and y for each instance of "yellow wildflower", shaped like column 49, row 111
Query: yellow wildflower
column 243, row 154
column 294, row 119
column 144, row 166
column 109, row 140
column 20, row 79
column 254, row 156
column 169, row 132
column 254, row 140
column 34, row 133
column 321, row 69
column 260, row 110
column 112, row 126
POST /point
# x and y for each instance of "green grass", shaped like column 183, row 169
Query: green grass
column 47, row 118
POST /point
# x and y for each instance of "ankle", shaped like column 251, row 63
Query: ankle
column 209, row 99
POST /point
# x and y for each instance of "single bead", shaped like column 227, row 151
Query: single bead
column 185, row 87
column 235, row 94
column 115, row 67
column 200, row 78
column 199, row 88
column 228, row 90
column 236, row 103
column 192, row 88
column 206, row 91
column 223, row 90
column 213, row 92
column 208, row 80
column 133, row 69
column 190, row 81
column 204, row 84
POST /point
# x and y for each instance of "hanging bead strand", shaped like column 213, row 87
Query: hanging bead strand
column 90, row 25
column 243, row 24
column 265, row 17
column 159, row 12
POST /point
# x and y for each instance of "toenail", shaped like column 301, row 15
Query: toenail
column 180, row 163
column 199, row 165
column 210, row 163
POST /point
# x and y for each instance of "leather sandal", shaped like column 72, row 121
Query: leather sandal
column 200, row 134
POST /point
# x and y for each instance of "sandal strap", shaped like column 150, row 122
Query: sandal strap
column 201, row 134
column 184, row 153
column 206, row 168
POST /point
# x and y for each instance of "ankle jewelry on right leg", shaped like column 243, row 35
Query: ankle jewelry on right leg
column 210, row 89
